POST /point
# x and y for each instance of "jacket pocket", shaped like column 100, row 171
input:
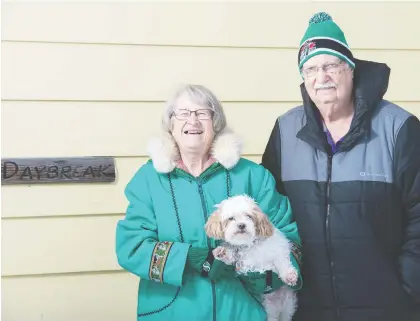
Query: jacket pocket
column 155, row 298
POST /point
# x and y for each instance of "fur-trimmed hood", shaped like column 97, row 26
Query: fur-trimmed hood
column 164, row 152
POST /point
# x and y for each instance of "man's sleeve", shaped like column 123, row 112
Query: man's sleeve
column 271, row 158
column 407, row 171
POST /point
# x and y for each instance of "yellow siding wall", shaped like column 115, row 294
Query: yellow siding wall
column 90, row 79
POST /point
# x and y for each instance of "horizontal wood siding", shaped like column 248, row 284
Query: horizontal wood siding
column 90, row 79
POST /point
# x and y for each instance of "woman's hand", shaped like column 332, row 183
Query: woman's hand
column 256, row 283
column 203, row 261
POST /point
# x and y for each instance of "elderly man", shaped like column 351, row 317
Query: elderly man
column 350, row 163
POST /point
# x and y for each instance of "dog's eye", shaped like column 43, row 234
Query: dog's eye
column 249, row 216
column 231, row 218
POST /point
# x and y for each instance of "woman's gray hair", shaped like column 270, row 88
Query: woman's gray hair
column 199, row 95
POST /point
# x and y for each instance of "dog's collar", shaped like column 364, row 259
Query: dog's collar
column 243, row 247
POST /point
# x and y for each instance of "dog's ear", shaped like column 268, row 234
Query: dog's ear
column 263, row 226
column 214, row 227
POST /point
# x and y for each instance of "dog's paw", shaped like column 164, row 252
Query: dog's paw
column 290, row 277
column 222, row 254
column 219, row 253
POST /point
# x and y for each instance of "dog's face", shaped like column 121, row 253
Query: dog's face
column 239, row 221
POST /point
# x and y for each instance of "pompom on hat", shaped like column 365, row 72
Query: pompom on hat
column 324, row 36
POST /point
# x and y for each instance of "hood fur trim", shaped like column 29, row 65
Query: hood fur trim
column 226, row 149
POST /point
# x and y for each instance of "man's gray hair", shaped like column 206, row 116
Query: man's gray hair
column 199, row 95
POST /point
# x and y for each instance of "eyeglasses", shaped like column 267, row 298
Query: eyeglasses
column 330, row 69
column 184, row 114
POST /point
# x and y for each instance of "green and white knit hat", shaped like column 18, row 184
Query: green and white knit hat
column 324, row 36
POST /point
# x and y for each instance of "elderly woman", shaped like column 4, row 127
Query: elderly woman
column 194, row 165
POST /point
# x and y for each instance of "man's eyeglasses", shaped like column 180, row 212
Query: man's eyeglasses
column 184, row 114
column 330, row 68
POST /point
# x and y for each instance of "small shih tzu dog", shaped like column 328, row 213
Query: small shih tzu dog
column 253, row 244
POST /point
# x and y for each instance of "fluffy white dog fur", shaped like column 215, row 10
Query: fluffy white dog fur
column 253, row 244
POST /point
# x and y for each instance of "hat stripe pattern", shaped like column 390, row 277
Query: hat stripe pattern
column 313, row 45
column 324, row 36
column 336, row 40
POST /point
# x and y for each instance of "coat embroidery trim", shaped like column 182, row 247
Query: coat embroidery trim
column 297, row 252
column 158, row 262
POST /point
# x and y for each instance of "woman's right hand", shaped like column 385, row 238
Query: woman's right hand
column 196, row 257
column 202, row 260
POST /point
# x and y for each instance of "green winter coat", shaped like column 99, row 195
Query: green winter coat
column 167, row 211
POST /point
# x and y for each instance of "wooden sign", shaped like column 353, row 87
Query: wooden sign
column 57, row 170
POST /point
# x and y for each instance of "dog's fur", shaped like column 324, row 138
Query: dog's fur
column 253, row 244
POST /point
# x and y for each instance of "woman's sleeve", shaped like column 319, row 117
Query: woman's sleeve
column 138, row 248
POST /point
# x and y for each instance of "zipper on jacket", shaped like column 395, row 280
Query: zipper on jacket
column 203, row 204
column 329, row 245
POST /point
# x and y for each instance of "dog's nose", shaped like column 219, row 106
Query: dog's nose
column 241, row 226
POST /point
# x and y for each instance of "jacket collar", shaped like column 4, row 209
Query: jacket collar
column 164, row 152
column 371, row 81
